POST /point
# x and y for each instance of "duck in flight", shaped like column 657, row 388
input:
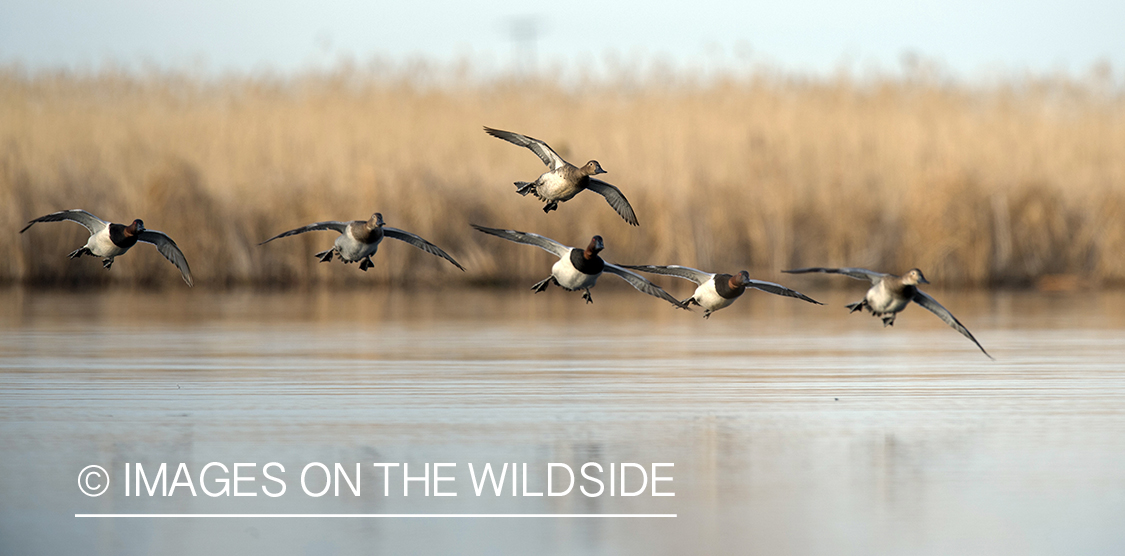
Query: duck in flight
column 890, row 294
column 564, row 180
column 579, row 269
column 717, row 291
column 359, row 239
column 108, row 240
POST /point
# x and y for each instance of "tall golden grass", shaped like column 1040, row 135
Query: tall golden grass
column 976, row 184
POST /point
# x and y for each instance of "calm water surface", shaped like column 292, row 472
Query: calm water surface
column 793, row 428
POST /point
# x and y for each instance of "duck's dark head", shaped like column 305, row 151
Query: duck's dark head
column 135, row 228
column 914, row 277
column 376, row 220
column 739, row 280
column 595, row 247
column 593, row 168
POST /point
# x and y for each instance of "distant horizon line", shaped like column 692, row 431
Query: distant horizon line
column 610, row 66
column 370, row 515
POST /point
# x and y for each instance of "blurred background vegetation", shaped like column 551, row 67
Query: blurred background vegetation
column 1016, row 182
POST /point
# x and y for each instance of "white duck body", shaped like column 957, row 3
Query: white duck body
column 570, row 278
column 352, row 248
column 882, row 299
column 100, row 245
column 559, row 185
column 707, row 296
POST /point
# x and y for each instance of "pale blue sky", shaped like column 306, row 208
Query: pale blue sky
column 970, row 36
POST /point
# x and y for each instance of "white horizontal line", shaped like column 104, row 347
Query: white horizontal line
column 373, row 515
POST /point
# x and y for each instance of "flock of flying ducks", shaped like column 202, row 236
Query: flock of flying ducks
column 576, row 269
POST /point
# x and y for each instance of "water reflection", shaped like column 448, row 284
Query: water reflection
column 792, row 428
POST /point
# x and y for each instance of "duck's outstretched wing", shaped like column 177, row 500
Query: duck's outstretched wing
column 778, row 289
column 638, row 281
column 170, row 250
column 616, row 199
column 686, row 272
column 420, row 243
column 934, row 307
column 91, row 222
column 541, row 149
column 544, row 243
column 328, row 225
column 857, row 273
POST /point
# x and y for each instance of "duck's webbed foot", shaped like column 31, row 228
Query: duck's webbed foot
column 366, row 264
column 856, row 306
column 889, row 320
column 78, row 253
column 524, row 187
column 107, row 263
column 706, row 314
column 542, row 285
column 553, row 205
column 326, row 256
column 587, row 296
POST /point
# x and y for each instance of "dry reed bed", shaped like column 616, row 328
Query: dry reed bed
column 976, row 185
